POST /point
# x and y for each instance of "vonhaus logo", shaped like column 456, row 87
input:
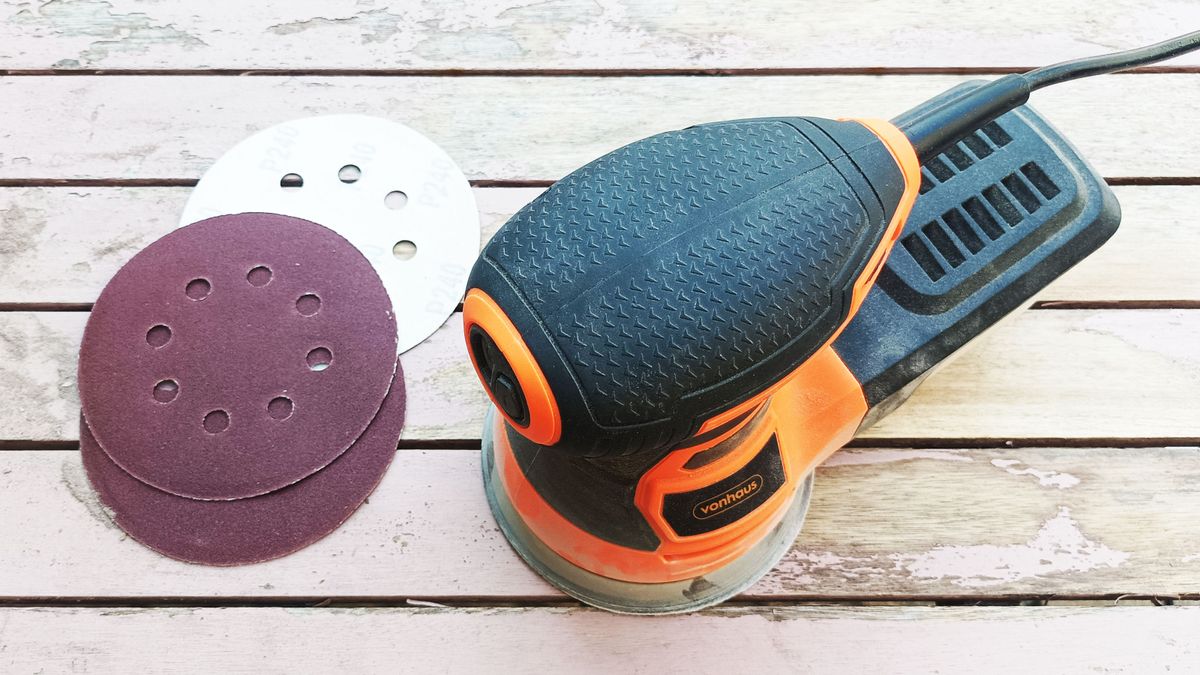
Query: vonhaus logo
column 728, row 499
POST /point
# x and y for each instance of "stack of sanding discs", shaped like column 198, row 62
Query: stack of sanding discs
column 240, row 389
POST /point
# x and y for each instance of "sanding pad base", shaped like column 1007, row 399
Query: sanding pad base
column 635, row 598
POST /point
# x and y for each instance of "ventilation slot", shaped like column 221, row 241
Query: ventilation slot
column 927, row 181
column 942, row 242
column 962, row 155
column 1022, row 192
column 1040, row 180
column 937, row 166
column 977, row 145
column 924, row 257
column 979, row 213
column 996, row 133
column 959, row 158
column 962, row 229
column 1003, row 206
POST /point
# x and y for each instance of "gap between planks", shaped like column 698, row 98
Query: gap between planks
column 504, row 601
column 561, row 72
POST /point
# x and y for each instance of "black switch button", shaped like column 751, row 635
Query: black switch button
column 498, row 376
column 508, row 396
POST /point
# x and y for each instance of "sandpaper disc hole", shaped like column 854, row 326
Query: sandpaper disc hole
column 395, row 199
column 404, row 250
column 319, row 359
column 259, row 276
column 308, row 304
column 158, row 336
column 291, row 180
column 198, row 289
column 216, row 421
column 166, row 391
column 349, row 174
column 280, row 408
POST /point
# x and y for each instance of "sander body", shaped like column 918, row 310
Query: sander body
column 677, row 334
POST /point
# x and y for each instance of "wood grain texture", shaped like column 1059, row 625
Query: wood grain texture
column 513, row 640
column 62, row 245
column 1045, row 374
column 508, row 34
column 884, row 523
column 526, row 128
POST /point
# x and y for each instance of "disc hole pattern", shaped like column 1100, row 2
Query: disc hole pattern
column 166, row 391
column 259, row 276
column 198, row 289
column 319, row 359
column 395, row 200
column 308, row 304
column 280, row 408
column 216, row 421
column 158, row 336
column 404, row 250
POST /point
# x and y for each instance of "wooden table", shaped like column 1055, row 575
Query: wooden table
column 1034, row 506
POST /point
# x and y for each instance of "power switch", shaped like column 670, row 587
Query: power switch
column 498, row 377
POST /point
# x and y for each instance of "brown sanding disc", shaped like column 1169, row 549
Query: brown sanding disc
column 236, row 356
column 259, row 528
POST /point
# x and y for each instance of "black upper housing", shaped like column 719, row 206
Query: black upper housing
column 680, row 275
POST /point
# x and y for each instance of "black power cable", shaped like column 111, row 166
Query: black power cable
column 934, row 131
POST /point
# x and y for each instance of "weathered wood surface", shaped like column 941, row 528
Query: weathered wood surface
column 62, row 245
column 527, row 128
column 1004, row 523
column 1083, row 521
column 529, row 34
column 814, row 639
column 1045, row 374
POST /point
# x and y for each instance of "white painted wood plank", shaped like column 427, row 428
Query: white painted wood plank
column 528, row 127
column 512, row 640
column 1079, row 374
column 62, row 245
column 609, row 34
column 1045, row 374
column 883, row 523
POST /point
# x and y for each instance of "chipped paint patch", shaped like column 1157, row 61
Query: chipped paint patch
column 1045, row 478
column 113, row 32
column 1059, row 547
column 861, row 457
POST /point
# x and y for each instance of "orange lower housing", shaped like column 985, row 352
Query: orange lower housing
column 814, row 413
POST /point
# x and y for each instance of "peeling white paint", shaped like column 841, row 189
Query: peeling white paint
column 861, row 457
column 1059, row 547
column 1045, row 478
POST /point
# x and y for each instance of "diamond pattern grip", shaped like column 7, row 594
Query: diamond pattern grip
column 681, row 262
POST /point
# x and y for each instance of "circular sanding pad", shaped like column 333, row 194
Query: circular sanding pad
column 392, row 192
column 255, row 529
column 236, row 356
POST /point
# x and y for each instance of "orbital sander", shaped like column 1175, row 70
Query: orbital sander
column 675, row 335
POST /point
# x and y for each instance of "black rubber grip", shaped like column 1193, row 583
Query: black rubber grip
column 681, row 274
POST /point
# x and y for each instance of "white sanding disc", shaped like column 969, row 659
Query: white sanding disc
column 387, row 189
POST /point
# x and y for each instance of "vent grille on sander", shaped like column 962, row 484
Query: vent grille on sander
column 1000, row 214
